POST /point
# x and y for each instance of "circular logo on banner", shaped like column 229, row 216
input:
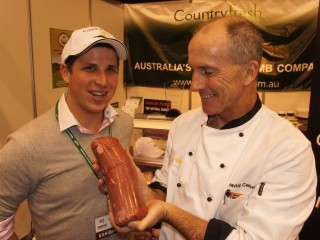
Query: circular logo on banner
column 63, row 39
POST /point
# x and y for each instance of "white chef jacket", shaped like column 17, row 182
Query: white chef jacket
column 259, row 177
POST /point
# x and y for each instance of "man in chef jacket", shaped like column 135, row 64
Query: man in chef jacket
column 233, row 169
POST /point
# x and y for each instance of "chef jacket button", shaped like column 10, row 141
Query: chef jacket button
column 209, row 199
column 190, row 153
column 178, row 184
column 222, row 165
column 241, row 134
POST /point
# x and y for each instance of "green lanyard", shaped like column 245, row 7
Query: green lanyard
column 77, row 144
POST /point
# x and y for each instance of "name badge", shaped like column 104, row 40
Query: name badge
column 103, row 227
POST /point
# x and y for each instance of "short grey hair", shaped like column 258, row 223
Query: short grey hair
column 244, row 39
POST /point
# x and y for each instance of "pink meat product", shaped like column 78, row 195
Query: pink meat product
column 125, row 193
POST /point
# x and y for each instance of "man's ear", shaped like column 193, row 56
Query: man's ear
column 252, row 71
column 65, row 72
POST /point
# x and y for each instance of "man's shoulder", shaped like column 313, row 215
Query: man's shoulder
column 42, row 124
column 279, row 127
column 42, row 120
column 190, row 119
column 192, row 115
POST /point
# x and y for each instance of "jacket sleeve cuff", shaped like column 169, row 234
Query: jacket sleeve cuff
column 217, row 230
column 157, row 185
column 6, row 228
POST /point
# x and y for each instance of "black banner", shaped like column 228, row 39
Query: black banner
column 314, row 109
column 157, row 36
column 311, row 228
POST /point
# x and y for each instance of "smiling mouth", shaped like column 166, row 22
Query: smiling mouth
column 208, row 96
column 97, row 94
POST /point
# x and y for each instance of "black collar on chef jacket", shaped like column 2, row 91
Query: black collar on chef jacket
column 245, row 118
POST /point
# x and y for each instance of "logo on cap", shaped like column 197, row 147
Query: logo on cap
column 104, row 34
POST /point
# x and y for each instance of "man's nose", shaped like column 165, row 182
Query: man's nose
column 197, row 82
column 102, row 79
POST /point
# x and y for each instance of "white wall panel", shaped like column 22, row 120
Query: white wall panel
column 46, row 14
column 15, row 78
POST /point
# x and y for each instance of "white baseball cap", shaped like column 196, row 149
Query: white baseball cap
column 83, row 39
column 145, row 146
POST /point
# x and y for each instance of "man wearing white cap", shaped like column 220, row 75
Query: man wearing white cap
column 48, row 161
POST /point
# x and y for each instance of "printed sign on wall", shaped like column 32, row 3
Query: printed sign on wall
column 152, row 106
column 157, row 35
column 58, row 38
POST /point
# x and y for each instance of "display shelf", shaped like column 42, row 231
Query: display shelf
column 152, row 124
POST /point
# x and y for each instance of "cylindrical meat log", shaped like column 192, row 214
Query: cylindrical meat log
column 125, row 193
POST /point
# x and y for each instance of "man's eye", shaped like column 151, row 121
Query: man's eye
column 207, row 71
column 91, row 68
column 112, row 70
